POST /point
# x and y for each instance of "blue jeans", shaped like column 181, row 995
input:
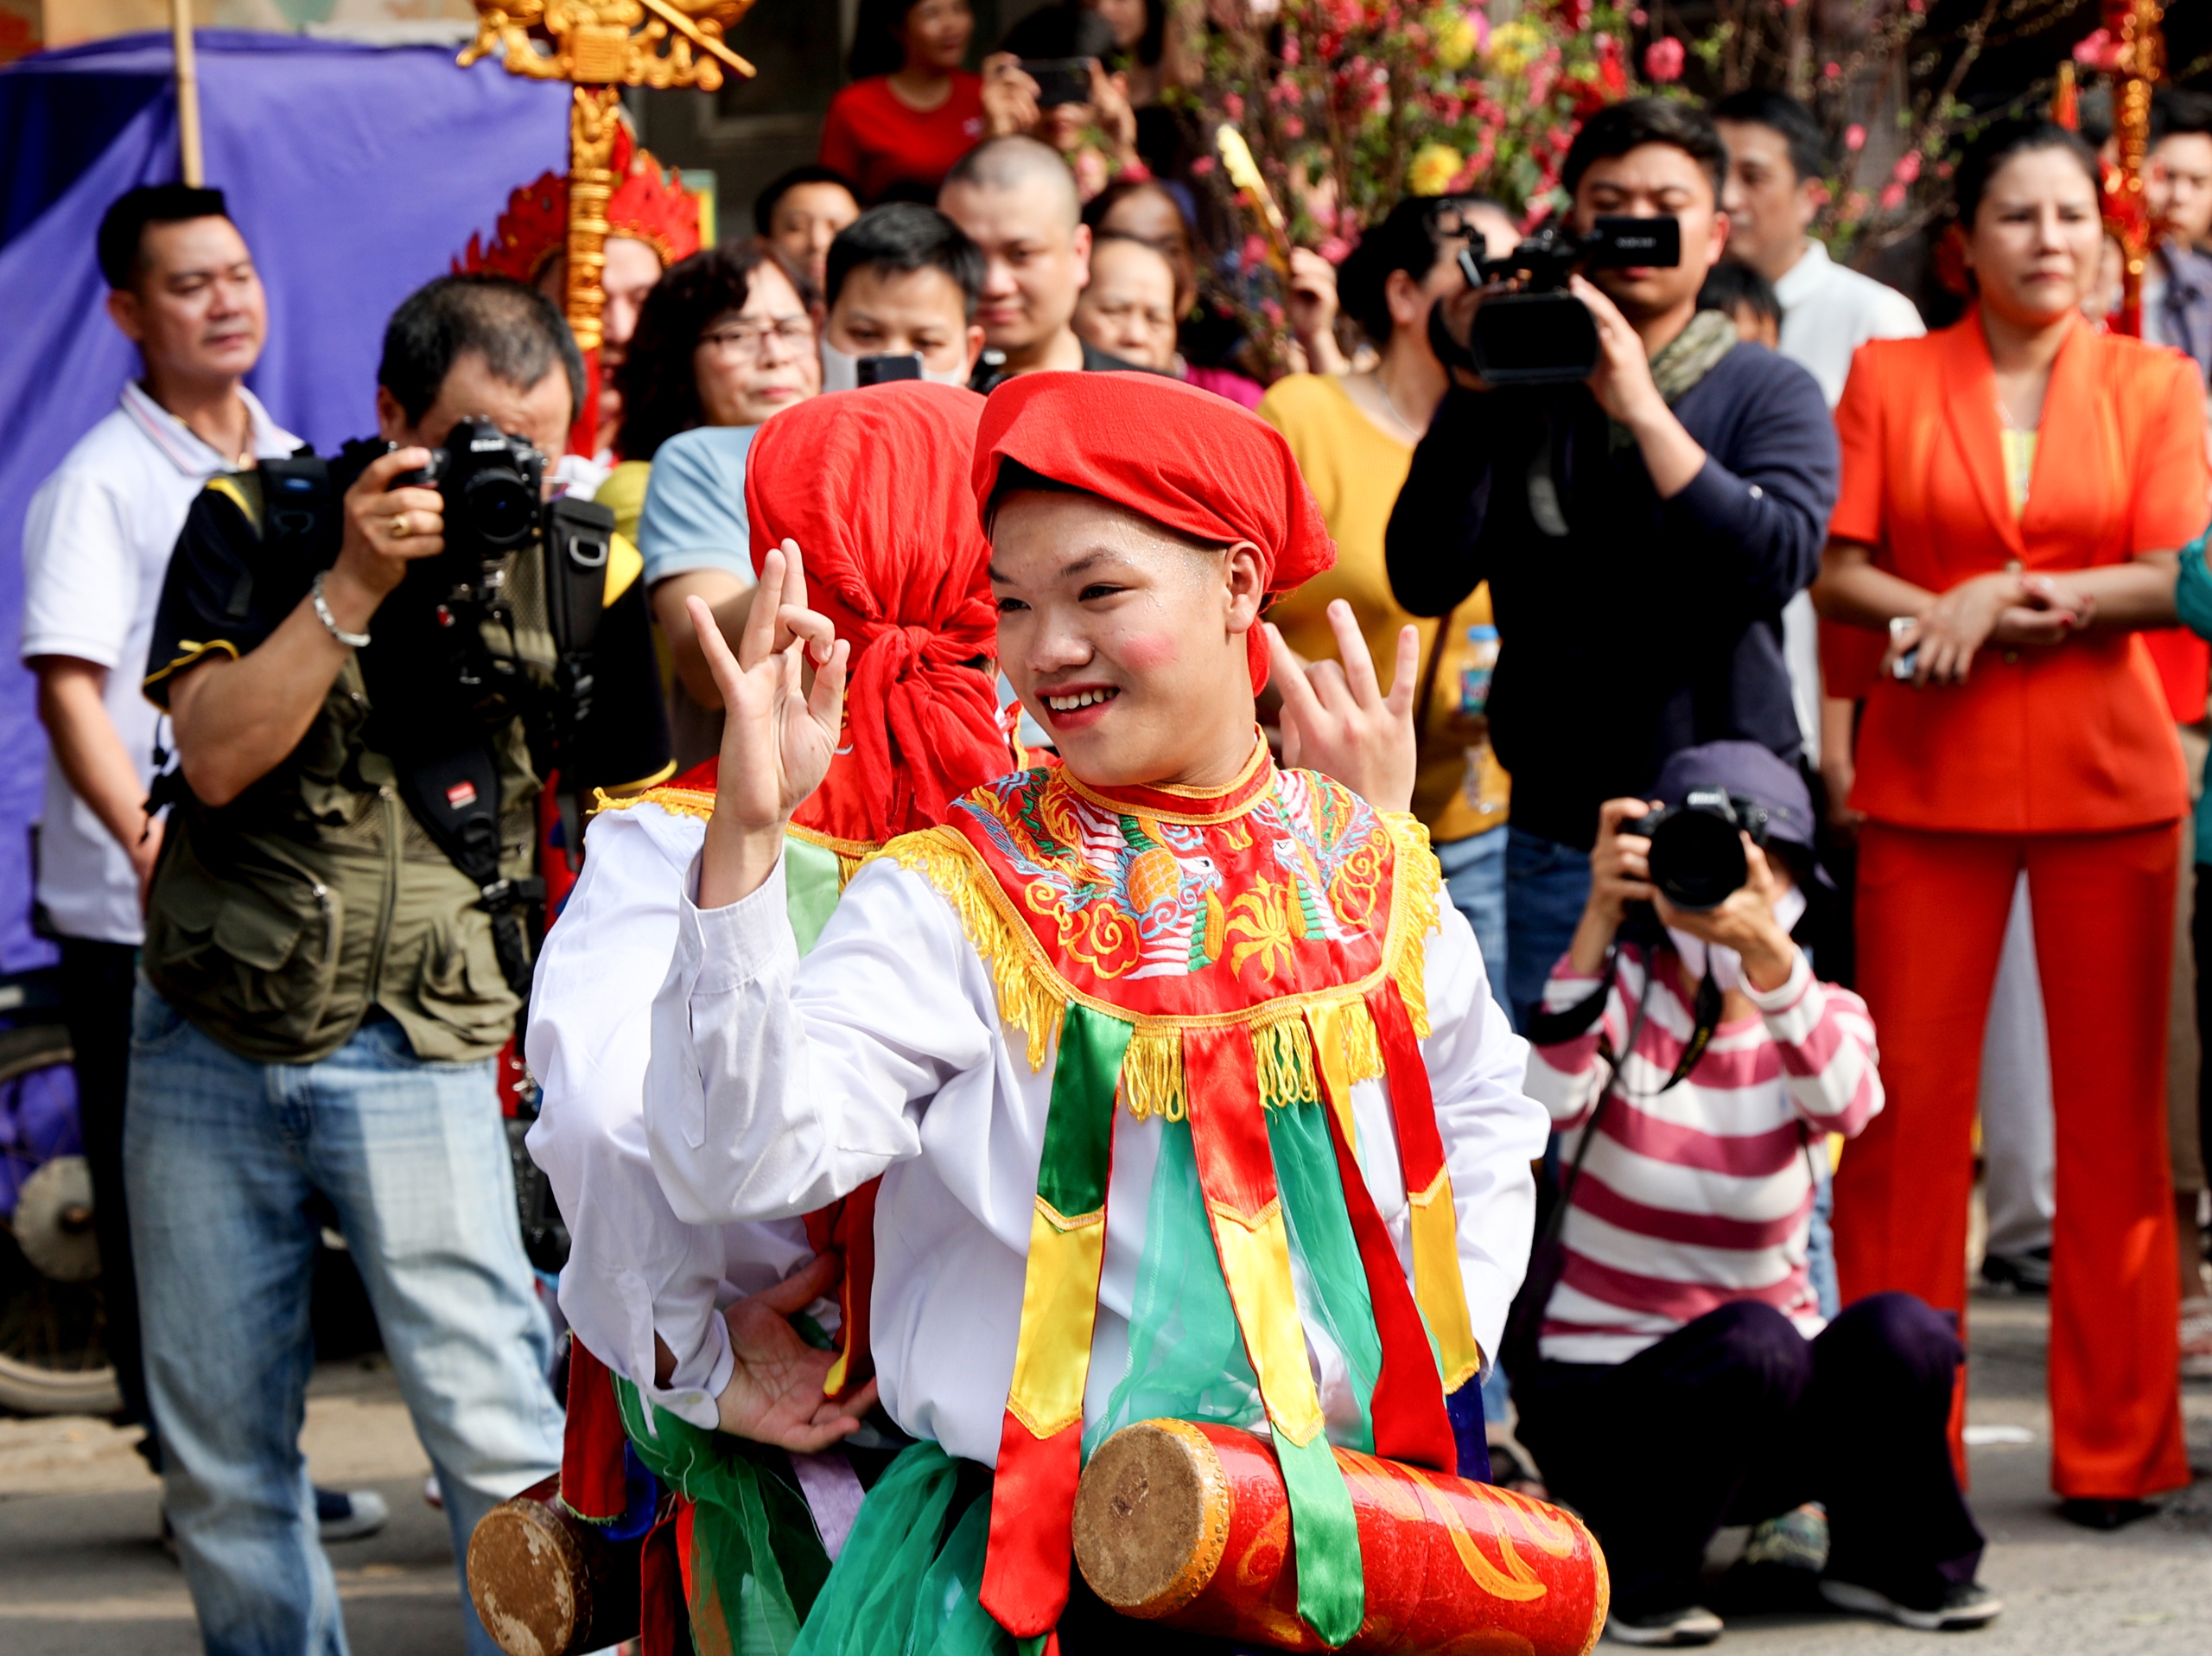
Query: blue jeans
column 1474, row 873
column 1546, row 885
column 220, row 1156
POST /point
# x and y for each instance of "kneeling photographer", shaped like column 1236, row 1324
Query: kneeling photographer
column 1670, row 1361
column 370, row 663
column 1643, row 492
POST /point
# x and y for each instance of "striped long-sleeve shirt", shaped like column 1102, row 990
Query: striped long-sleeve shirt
column 1702, row 1194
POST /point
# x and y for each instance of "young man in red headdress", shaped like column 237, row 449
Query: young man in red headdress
column 1188, row 1096
column 683, row 1315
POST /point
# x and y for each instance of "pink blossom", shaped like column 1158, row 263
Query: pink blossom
column 1907, row 167
column 1854, row 138
column 1201, row 165
column 1854, row 205
column 1943, row 170
column 1821, row 194
column 1637, row 17
column 1233, row 106
column 1892, row 196
column 1663, row 58
column 2097, row 51
column 1832, row 70
column 1272, row 309
column 1291, row 50
column 1254, row 253
column 1335, row 249
column 1293, row 127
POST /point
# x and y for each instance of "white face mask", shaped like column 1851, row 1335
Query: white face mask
column 841, row 371
column 1725, row 964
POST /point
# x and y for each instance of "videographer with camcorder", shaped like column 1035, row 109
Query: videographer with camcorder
column 1673, row 1371
column 371, row 662
column 1643, row 491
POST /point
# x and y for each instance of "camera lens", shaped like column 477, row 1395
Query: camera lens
column 1697, row 859
column 499, row 508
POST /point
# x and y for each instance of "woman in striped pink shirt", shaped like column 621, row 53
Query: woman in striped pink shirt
column 1684, row 1376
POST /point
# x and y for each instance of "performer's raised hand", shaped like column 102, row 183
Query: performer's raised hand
column 778, row 737
column 774, row 1394
column 1336, row 719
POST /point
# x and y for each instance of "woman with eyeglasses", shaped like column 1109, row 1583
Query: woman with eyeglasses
column 724, row 341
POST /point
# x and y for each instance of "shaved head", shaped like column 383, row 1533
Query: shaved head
column 1018, row 163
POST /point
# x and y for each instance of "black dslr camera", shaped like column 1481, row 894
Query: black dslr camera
column 1697, row 847
column 1543, row 336
column 490, row 483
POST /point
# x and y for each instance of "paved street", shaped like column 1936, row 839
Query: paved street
column 80, row 1569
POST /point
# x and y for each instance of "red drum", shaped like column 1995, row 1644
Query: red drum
column 1190, row 1526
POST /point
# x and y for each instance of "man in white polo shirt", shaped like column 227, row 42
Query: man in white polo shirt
column 96, row 547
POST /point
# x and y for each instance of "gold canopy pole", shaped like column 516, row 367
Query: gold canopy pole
column 599, row 47
column 188, row 94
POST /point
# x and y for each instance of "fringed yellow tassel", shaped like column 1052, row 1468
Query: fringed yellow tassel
column 1152, row 1075
column 676, row 801
column 847, row 867
column 1028, row 1001
column 1419, row 880
column 1283, row 1054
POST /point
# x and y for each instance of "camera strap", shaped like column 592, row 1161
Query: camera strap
column 455, row 796
column 579, row 541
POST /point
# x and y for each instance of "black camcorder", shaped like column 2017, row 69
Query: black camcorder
column 1542, row 334
column 1697, row 847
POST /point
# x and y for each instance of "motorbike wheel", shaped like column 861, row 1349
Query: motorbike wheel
column 52, row 1347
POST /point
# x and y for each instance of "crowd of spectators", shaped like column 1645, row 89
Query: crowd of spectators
column 1879, row 589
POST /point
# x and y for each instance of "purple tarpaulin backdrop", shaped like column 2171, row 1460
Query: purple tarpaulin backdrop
column 356, row 174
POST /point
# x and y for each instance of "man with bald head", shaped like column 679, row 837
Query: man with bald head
column 1016, row 199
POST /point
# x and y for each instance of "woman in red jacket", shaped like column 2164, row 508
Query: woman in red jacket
column 912, row 110
column 2014, row 491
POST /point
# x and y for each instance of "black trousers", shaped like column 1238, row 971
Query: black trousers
column 96, row 987
column 1736, row 1417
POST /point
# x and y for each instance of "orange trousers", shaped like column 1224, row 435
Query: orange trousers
column 1932, row 909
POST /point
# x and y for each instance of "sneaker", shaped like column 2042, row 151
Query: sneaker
column 2018, row 1273
column 349, row 1514
column 1691, row 1625
column 1964, row 1605
column 2104, row 1514
column 1797, row 1539
column 2196, row 1339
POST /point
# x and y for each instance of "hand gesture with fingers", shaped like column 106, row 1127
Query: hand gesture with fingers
column 774, row 1394
column 1336, row 719
column 777, row 737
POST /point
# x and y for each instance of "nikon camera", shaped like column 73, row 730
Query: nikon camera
column 1697, row 847
column 1542, row 334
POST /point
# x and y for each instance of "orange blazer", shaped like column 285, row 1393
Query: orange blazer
column 2073, row 739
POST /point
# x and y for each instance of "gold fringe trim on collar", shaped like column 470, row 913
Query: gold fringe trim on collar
column 1034, row 998
column 700, row 804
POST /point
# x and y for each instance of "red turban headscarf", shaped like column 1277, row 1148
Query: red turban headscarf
column 1189, row 459
column 871, row 485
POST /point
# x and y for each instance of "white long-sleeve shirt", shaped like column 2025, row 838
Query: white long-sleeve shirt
column 633, row 1267
column 779, row 1084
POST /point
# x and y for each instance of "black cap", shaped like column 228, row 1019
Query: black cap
column 124, row 226
column 1746, row 768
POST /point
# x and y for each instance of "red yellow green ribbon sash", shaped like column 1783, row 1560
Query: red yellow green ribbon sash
column 1040, row 1441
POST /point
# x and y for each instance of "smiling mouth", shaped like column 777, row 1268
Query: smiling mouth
column 1079, row 700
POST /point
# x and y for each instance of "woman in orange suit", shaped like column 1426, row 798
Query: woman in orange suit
column 2014, row 491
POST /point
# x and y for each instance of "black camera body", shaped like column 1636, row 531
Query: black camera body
column 1697, row 847
column 1543, row 336
column 490, row 483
